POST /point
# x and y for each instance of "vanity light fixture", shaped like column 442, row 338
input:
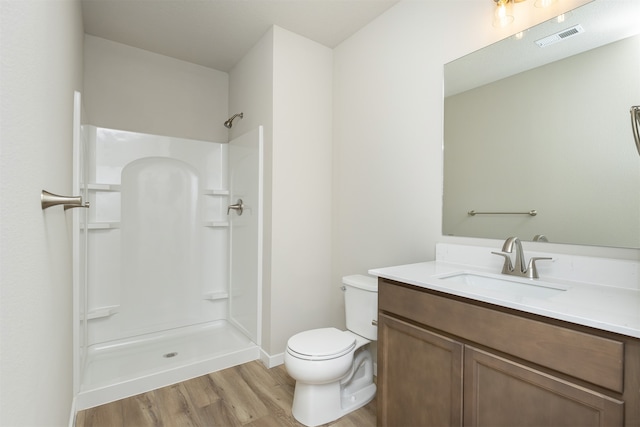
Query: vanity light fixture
column 503, row 14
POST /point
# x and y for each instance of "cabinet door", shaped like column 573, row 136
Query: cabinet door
column 419, row 376
column 500, row 392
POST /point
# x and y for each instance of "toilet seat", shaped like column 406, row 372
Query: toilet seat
column 321, row 344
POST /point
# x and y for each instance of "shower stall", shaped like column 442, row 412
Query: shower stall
column 167, row 260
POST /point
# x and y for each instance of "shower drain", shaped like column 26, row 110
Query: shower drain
column 172, row 354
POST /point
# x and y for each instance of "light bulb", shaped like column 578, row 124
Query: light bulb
column 502, row 16
column 544, row 3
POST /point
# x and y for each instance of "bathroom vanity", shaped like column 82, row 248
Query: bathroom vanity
column 452, row 353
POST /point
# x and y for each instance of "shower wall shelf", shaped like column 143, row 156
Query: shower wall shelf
column 102, row 225
column 102, row 312
column 216, row 192
column 213, row 296
column 216, row 224
column 104, row 187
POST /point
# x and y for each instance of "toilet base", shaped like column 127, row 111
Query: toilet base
column 358, row 399
column 316, row 404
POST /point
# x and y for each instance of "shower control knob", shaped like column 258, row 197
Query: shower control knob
column 238, row 207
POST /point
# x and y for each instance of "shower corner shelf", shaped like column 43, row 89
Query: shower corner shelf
column 216, row 224
column 103, row 225
column 104, row 187
column 213, row 296
column 216, row 192
column 102, row 312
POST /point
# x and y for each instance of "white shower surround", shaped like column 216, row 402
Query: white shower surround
column 158, row 270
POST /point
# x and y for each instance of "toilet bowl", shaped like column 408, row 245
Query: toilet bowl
column 333, row 369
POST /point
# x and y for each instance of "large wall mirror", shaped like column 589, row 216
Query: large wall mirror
column 547, row 129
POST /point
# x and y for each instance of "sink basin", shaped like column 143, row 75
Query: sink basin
column 504, row 286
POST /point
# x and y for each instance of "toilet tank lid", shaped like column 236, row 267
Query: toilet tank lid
column 368, row 283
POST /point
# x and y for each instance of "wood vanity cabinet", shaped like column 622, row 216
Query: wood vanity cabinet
column 451, row 361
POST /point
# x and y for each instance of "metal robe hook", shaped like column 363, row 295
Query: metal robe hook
column 48, row 199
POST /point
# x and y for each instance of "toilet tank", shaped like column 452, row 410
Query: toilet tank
column 361, row 304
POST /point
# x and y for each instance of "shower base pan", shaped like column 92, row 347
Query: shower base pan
column 136, row 365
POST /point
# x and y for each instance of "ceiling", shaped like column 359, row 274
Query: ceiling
column 218, row 33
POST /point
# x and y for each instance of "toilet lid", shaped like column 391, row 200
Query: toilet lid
column 321, row 344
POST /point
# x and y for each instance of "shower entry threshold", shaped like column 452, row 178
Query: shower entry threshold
column 124, row 368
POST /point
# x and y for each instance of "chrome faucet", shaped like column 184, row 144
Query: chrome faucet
column 520, row 268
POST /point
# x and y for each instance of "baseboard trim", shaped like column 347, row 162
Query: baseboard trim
column 271, row 361
column 72, row 416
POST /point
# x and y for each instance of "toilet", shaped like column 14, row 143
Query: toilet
column 333, row 369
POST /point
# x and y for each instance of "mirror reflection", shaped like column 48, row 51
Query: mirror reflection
column 547, row 129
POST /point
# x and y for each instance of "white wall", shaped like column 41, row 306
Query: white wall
column 388, row 110
column 132, row 89
column 298, row 292
column 387, row 132
column 251, row 92
column 302, row 293
column 41, row 66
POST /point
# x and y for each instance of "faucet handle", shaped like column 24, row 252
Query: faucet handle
column 507, row 267
column 532, row 271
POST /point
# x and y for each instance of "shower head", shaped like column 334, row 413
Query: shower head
column 229, row 122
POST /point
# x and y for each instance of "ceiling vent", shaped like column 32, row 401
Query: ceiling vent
column 560, row 36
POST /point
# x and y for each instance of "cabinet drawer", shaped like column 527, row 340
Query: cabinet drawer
column 588, row 357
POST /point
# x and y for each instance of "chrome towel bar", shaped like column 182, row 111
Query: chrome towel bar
column 635, row 125
column 532, row 212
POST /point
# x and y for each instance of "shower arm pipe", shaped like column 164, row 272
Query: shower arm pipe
column 48, row 199
column 229, row 122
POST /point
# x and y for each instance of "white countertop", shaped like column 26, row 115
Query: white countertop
column 609, row 308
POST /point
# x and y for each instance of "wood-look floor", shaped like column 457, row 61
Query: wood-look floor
column 247, row 395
